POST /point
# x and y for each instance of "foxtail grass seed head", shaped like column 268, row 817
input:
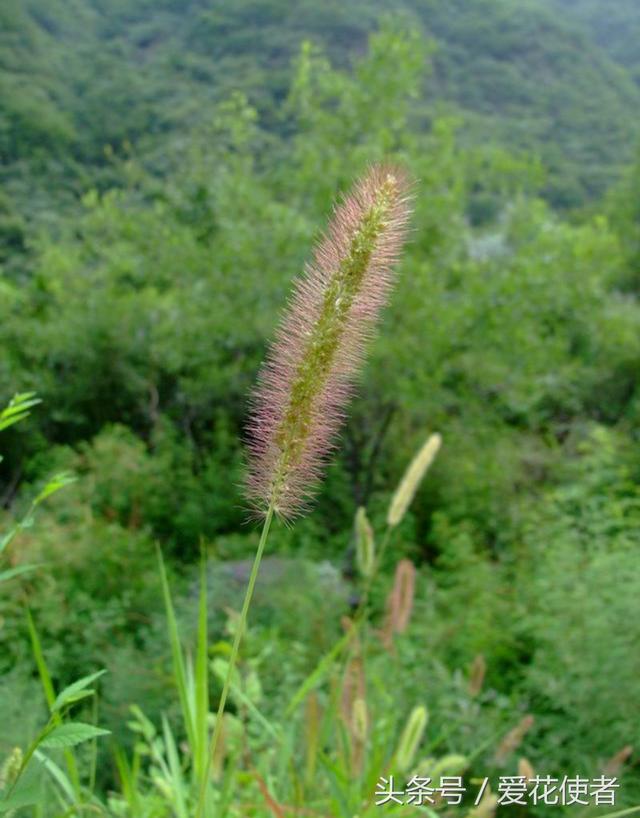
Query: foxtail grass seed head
column 487, row 806
column 477, row 674
column 615, row 764
column 525, row 769
column 411, row 737
column 405, row 588
column 412, row 478
column 424, row 767
column 513, row 739
column 399, row 602
column 453, row 764
column 359, row 720
column 353, row 687
column 11, row 767
column 313, row 719
column 309, row 372
column 365, row 544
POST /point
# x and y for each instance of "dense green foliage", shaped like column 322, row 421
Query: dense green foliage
column 83, row 81
column 615, row 27
column 166, row 168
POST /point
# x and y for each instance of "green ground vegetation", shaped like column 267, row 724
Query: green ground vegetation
column 166, row 168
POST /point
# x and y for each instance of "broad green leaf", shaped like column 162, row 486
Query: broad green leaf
column 76, row 691
column 72, row 733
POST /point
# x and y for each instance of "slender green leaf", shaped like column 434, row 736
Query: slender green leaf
column 76, row 691
column 50, row 696
column 56, row 774
column 8, row 537
column 318, row 674
column 128, row 782
column 18, row 409
column 177, row 778
column 239, row 694
column 17, row 571
column 337, row 785
column 56, row 483
column 45, row 678
column 179, row 670
column 202, row 678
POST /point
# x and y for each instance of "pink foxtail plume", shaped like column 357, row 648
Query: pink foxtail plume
column 308, row 375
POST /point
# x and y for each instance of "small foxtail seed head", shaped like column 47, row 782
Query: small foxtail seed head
column 308, row 374
column 365, row 544
column 411, row 737
column 411, row 480
column 513, row 739
column 399, row 602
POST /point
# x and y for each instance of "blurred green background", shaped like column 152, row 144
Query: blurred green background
column 166, row 166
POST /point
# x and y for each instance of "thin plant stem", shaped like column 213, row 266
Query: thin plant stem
column 357, row 621
column 366, row 591
column 233, row 660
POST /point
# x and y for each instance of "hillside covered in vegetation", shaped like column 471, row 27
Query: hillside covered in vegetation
column 167, row 168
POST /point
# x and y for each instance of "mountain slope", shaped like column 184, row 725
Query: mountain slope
column 78, row 76
column 614, row 26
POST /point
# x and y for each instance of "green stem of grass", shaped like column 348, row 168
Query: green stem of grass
column 361, row 610
column 200, row 812
column 344, row 644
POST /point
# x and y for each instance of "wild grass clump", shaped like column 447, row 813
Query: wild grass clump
column 309, row 372
column 311, row 717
